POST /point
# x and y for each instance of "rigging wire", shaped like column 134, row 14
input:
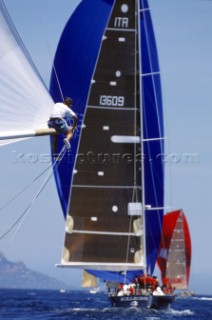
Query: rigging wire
column 26, row 211
column 60, row 156
column 23, row 189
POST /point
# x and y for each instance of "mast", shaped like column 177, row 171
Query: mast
column 142, row 133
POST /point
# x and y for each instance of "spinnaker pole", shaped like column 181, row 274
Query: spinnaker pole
column 27, row 133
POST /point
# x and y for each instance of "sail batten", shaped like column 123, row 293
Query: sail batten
column 105, row 186
column 125, row 139
column 113, row 108
column 150, row 74
column 120, row 29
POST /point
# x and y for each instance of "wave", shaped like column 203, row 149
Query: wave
column 186, row 312
column 82, row 310
column 203, row 298
column 152, row 318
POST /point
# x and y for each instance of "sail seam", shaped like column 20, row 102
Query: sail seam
column 143, row 10
column 150, row 74
column 157, row 208
column 120, row 29
column 113, row 108
column 154, row 139
column 102, row 186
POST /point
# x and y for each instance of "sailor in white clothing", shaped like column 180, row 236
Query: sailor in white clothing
column 61, row 112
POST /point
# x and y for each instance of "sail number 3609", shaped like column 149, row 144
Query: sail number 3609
column 115, row 101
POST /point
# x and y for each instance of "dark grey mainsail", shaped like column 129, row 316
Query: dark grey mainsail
column 104, row 222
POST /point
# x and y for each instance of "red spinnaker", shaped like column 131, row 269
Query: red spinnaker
column 174, row 255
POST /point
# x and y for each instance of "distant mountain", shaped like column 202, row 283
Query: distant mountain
column 17, row 276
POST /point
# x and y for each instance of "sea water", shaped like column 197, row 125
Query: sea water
column 55, row 305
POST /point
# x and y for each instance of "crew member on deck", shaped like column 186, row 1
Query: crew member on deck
column 154, row 283
column 61, row 112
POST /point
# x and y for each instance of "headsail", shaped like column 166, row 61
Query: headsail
column 25, row 103
column 174, row 256
column 88, row 280
column 118, row 95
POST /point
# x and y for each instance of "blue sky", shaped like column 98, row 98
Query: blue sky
column 183, row 30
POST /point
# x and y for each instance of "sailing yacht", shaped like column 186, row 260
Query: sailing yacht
column 111, row 182
column 112, row 190
column 174, row 254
